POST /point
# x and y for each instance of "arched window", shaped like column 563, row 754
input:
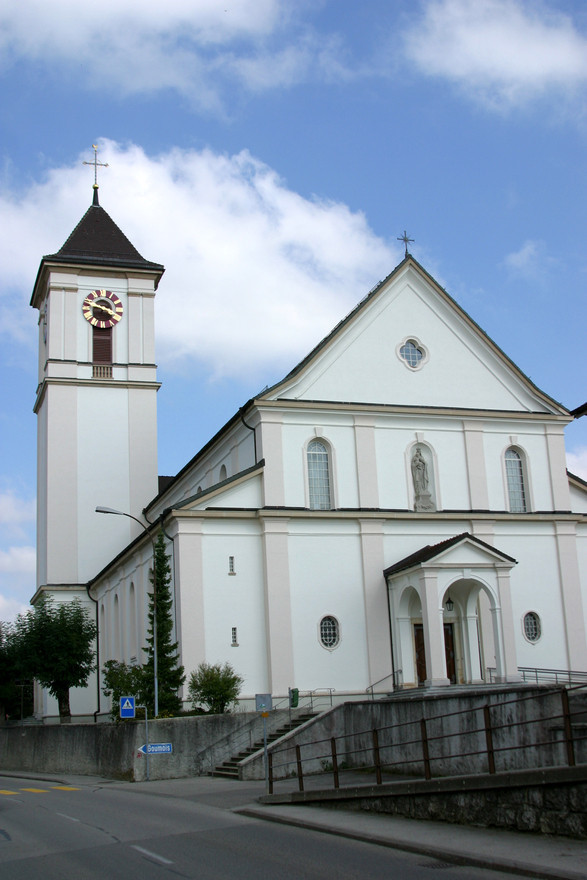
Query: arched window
column 222, row 473
column 329, row 632
column 514, row 469
column 132, row 610
column 117, row 647
column 318, row 476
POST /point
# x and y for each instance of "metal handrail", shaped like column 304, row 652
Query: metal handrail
column 539, row 675
column 394, row 675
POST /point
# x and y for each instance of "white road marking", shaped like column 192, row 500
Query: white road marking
column 65, row 816
column 152, row 855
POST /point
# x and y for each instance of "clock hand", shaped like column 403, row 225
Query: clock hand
column 104, row 308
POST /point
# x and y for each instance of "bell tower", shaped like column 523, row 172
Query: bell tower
column 96, row 399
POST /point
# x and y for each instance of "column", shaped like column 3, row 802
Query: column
column 366, row 461
column 187, row 533
column 475, row 454
column 506, row 661
column 433, row 620
column 278, row 605
column 570, row 588
column 375, row 600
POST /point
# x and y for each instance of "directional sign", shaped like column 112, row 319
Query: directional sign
column 156, row 749
column 127, row 707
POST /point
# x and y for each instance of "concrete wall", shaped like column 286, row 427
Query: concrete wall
column 112, row 750
column 457, row 743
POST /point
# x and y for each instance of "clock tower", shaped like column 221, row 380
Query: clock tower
column 96, row 400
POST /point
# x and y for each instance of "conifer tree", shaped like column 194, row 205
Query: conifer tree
column 170, row 674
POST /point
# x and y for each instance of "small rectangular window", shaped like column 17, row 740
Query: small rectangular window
column 234, row 642
column 231, row 565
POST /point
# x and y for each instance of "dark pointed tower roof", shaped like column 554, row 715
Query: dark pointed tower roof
column 98, row 241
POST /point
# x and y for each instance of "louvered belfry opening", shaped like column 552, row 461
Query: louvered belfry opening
column 102, row 353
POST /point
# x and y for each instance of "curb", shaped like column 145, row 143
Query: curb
column 458, row 857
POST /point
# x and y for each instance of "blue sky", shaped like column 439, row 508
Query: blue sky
column 269, row 153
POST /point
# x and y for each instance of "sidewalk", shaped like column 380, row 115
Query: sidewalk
column 533, row 855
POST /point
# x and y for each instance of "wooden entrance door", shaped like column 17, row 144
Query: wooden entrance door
column 449, row 651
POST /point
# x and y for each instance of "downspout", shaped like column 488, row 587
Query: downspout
column 97, row 712
column 240, row 412
column 390, row 634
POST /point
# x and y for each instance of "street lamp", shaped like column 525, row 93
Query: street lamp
column 100, row 509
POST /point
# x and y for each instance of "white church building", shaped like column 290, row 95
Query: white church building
column 395, row 512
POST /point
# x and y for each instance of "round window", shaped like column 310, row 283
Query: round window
column 329, row 632
column 532, row 628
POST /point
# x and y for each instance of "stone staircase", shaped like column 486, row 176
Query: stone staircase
column 229, row 769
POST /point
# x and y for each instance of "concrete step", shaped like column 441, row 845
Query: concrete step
column 229, row 768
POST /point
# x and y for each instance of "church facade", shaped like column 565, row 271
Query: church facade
column 396, row 512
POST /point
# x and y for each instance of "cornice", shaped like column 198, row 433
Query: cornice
column 382, row 515
column 404, row 409
column 91, row 383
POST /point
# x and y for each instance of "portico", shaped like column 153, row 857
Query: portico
column 451, row 614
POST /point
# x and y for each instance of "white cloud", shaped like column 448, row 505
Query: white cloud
column 256, row 273
column 195, row 48
column 15, row 510
column 530, row 261
column 577, row 462
column 20, row 560
column 502, row 51
column 11, row 607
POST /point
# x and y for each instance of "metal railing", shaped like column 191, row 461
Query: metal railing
column 536, row 675
column 495, row 736
column 396, row 682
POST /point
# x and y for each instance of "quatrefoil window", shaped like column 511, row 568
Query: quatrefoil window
column 413, row 353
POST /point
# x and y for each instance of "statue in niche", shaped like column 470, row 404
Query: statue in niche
column 423, row 499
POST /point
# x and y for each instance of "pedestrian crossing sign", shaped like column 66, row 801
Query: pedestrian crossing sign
column 127, row 707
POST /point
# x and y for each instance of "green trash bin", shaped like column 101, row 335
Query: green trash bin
column 294, row 696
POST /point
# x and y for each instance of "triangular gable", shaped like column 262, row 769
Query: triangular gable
column 241, row 491
column 359, row 360
column 461, row 550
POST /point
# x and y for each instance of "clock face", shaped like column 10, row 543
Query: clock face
column 102, row 308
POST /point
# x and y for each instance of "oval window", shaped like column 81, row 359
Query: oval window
column 329, row 632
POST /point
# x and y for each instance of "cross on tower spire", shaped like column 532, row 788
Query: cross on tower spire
column 406, row 240
column 95, row 163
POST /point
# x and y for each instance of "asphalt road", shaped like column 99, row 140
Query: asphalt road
column 92, row 830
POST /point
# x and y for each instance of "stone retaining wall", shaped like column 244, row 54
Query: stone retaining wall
column 112, row 750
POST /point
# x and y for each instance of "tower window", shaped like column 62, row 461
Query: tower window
column 102, row 352
column 234, row 638
column 231, row 565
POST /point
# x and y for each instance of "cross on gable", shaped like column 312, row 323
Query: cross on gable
column 406, row 240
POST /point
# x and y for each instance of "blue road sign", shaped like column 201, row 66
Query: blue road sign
column 156, row 749
column 127, row 707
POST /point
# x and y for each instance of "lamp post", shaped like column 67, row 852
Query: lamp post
column 111, row 510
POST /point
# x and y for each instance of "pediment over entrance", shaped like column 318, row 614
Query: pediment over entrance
column 464, row 550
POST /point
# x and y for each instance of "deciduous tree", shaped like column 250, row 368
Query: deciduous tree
column 55, row 645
